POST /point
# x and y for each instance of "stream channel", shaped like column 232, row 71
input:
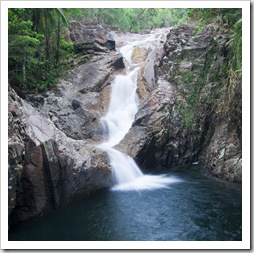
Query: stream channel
column 198, row 208
column 183, row 204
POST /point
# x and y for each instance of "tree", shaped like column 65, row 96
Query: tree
column 22, row 46
column 229, row 19
column 38, row 52
column 135, row 19
column 48, row 22
column 36, row 46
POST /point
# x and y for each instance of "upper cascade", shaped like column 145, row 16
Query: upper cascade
column 121, row 113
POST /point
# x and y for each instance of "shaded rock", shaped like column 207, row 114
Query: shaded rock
column 224, row 156
column 75, row 104
column 139, row 54
column 149, row 131
column 118, row 64
column 84, row 95
column 79, row 112
column 188, row 116
column 46, row 168
column 37, row 100
column 88, row 37
column 16, row 147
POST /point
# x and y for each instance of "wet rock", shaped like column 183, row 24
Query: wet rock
column 75, row 104
column 224, row 157
column 84, row 95
column 88, row 38
column 139, row 54
column 147, row 56
column 187, row 113
column 186, row 117
column 50, row 162
column 149, row 131
column 79, row 112
column 47, row 169
column 118, row 64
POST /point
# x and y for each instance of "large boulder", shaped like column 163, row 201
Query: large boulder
column 150, row 131
column 81, row 97
column 47, row 169
column 53, row 159
column 223, row 156
column 16, row 147
column 193, row 113
column 88, row 38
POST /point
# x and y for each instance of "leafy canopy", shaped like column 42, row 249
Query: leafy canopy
column 37, row 50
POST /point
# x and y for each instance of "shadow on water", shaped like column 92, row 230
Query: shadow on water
column 199, row 207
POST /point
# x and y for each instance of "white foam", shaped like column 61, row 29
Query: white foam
column 147, row 182
column 121, row 113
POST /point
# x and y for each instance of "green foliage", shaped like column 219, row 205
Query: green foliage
column 135, row 19
column 187, row 114
column 235, row 43
column 38, row 53
column 170, row 17
column 22, row 46
column 188, row 76
column 229, row 19
column 73, row 14
column 37, row 50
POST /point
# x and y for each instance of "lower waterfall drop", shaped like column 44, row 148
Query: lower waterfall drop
column 121, row 113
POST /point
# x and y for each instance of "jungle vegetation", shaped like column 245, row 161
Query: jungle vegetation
column 38, row 53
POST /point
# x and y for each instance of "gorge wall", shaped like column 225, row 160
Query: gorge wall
column 189, row 111
column 52, row 157
column 194, row 111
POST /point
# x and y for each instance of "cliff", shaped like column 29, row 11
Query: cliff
column 193, row 113
column 189, row 111
column 52, row 157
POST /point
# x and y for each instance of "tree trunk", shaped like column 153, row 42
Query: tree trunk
column 24, row 70
column 47, row 39
column 36, row 16
column 139, row 17
column 58, row 40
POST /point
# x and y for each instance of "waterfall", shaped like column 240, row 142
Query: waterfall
column 121, row 113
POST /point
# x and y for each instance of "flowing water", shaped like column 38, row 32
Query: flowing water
column 198, row 208
column 183, row 205
column 118, row 120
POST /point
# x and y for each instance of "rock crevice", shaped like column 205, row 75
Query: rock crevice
column 192, row 114
column 52, row 157
column 189, row 111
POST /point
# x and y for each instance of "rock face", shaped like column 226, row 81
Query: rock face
column 90, row 38
column 52, row 156
column 193, row 112
column 47, row 169
column 189, row 111
column 77, row 103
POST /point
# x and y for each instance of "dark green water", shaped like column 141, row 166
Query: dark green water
column 198, row 208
